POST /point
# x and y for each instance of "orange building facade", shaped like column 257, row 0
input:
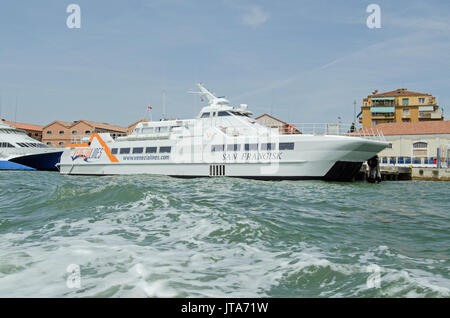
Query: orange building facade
column 59, row 134
column 398, row 106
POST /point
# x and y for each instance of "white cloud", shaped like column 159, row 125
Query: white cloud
column 255, row 17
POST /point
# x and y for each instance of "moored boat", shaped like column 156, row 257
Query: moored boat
column 222, row 141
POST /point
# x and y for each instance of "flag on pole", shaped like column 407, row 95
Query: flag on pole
column 149, row 107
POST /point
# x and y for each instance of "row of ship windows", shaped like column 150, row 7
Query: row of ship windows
column 31, row 145
column 6, row 145
column 222, row 114
column 139, row 150
column 22, row 144
column 254, row 147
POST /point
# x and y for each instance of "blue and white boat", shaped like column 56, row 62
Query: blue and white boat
column 21, row 152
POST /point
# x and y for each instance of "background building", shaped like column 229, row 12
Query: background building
column 416, row 143
column 272, row 122
column 61, row 134
column 398, row 106
column 34, row 131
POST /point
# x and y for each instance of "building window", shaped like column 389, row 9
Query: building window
column 405, row 101
column 138, row 150
column 406, row 120
column 420, row 145
column 61, row 143
column 87, row 132
column 374, row 122
column 61, row 132
column 421, row 100
column 165, row 149
column 405, row 111
column 74, row 132
column 151, row 150
column 390, row 145
column 49, row 143
column 49, row 132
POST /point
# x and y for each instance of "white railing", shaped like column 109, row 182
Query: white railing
column 338, row 129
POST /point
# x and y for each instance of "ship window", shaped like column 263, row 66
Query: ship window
column 114, row 151
column 138, row 150
column 165, row 149
column 6, row 145
column 146, row 130
column 286, row 146
column 162, row 129
column 124, row 151
column 401, row 160
column 215, row 148
column 234, row 147
column 221, row 114
column 271, row 146
column 205, row 115
column 150, row 150
column 251, row 147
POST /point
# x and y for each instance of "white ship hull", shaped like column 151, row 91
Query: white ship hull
column 221, row 141
column 314, row 158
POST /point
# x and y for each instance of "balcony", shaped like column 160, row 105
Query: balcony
column 433, row 115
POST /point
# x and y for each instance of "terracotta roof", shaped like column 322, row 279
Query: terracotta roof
column 399, row 92
column 105, row 126
column 415, row 128
column 137, row 122
column 24, row 126
column 62, row 123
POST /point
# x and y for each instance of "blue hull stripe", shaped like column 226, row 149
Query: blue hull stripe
column 8, row 165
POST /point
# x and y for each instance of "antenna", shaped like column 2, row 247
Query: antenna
column 15, row 110
column 164, row 103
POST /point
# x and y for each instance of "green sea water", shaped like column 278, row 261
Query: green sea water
column 151, row 236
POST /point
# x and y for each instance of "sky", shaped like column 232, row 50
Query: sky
column 302, row 61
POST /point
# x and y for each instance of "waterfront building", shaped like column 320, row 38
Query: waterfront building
column 61, row 133
column 33, row 131
column 399, row 106
column 272, row 122
column 416, row 143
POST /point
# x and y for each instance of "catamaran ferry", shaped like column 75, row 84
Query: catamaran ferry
column 21, row 152
column 222, row 141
